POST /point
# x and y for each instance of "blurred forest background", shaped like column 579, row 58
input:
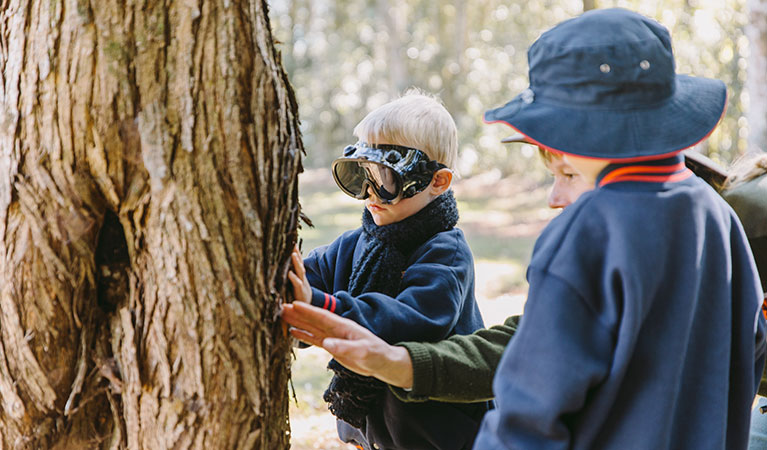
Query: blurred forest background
column 345, row 58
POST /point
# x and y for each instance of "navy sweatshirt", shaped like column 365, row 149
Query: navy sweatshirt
column 642, row 327
column 435, row 302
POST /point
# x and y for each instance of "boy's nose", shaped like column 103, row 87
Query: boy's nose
column 372, row 193
column 557, row 199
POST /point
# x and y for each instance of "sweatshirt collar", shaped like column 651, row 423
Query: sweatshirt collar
column 663, row 170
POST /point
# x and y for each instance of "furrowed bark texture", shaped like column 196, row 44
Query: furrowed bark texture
column 149, row 153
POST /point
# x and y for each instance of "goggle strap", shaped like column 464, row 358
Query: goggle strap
column 430, row 167
column 433, row 166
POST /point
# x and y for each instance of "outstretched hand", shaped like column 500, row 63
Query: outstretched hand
column 352, row 345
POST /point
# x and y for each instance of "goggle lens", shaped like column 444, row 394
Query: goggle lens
column 384, row 180
column 354, row 177
column 350, row 177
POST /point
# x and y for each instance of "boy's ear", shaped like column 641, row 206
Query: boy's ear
column 440, row 182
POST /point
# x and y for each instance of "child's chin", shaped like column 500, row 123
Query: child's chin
column 380, row 221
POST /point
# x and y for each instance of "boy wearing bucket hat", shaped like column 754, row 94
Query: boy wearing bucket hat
column 642, row 327
column 406, row 274
column 460, row 368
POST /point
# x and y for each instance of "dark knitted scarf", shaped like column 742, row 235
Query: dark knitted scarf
column 350, row 396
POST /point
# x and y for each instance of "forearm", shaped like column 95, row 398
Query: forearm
column 398, row 369
column 458, row 369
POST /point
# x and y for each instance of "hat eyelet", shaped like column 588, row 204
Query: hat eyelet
column 605, row 68
column 644, row 64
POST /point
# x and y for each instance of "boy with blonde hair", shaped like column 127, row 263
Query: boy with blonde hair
column 406, row 274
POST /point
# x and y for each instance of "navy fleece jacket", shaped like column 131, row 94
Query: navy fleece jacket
column 436, row 301
column 437, row 296
column 642, row 328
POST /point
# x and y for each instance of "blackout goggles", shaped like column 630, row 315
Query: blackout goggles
column 393, row 172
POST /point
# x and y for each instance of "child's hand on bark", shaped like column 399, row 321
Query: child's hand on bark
column 297, row 275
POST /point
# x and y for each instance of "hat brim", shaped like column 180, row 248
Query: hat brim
column 701, row 165
column 677, row 123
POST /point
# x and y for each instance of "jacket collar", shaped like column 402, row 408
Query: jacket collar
column 664, row 170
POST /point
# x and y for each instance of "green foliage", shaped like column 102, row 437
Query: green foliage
column 345, row 58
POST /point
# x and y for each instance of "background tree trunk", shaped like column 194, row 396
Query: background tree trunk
column 393, row 20
column 756, row 81
column 149, row 154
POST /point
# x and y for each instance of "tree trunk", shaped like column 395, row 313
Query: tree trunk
column 393, row 20
column 756, row 81
column 148, row 207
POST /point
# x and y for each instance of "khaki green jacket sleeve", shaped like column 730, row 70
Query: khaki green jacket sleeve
column 457, row 369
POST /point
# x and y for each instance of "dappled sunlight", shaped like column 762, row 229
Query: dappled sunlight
column 331, row 211
column 500, row 223
column 496, row 310
column 315, row 432
column 500, row 290
column 347, row 58
column 483, row 217
column 312, row 426
column 501, row 218
column 494, row 279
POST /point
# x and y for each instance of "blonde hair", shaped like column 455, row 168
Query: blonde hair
column 745, row 169
column 547, row 156
column 417, row 120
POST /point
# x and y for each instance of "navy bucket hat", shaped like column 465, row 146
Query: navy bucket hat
column 603, row 85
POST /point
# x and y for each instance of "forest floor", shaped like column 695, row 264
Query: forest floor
column 501, row 218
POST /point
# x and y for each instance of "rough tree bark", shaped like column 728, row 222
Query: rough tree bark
column 756, row 81
column 149, row 153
